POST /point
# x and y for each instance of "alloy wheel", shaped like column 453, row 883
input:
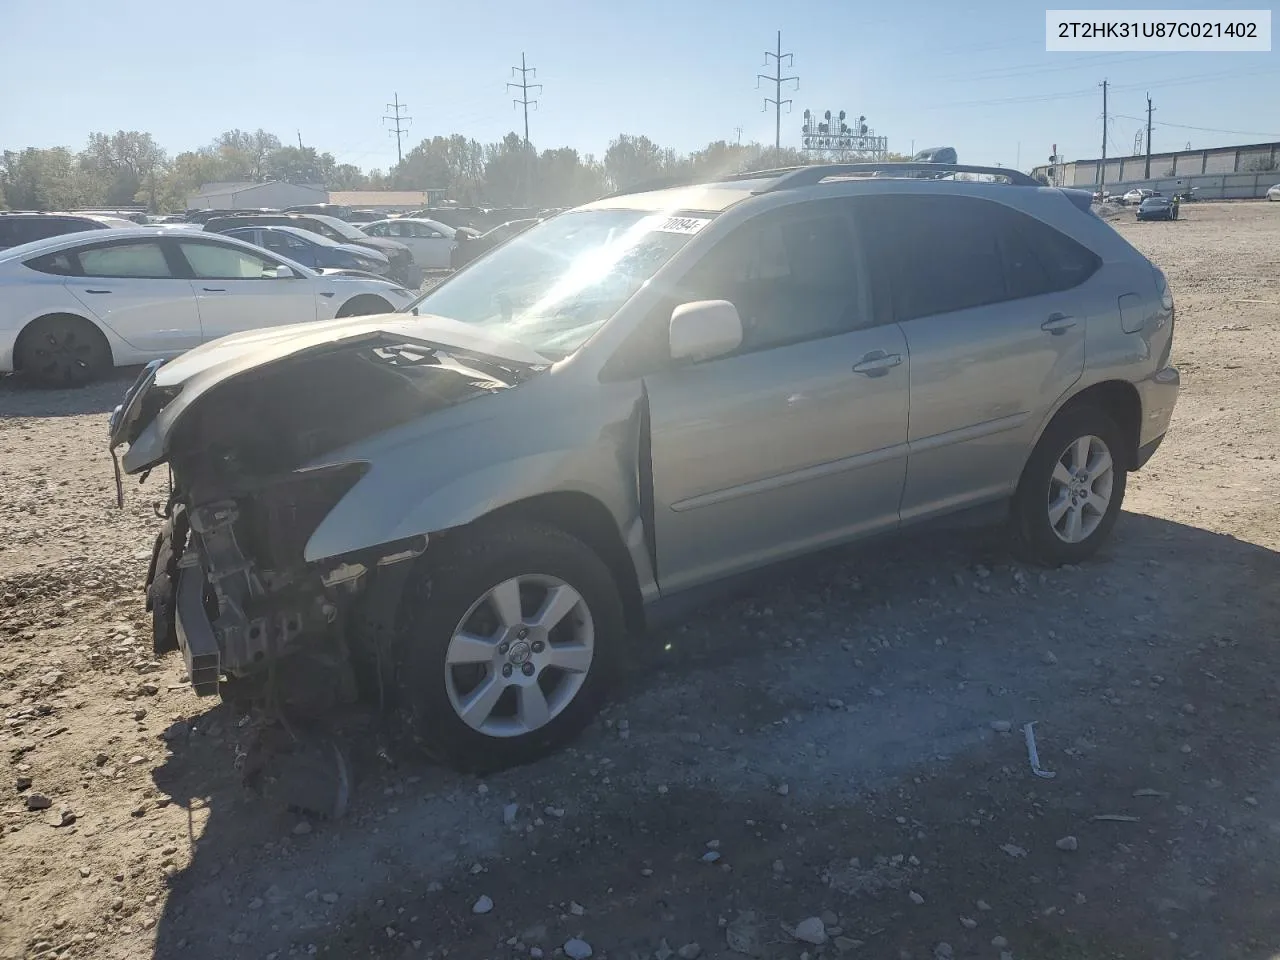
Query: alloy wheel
column 519, row 655
column 1080, row 489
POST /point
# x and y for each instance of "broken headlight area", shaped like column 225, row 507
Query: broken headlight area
column 229, row 584
column 230, row 574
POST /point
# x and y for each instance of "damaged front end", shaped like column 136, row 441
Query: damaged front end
column 246, row 438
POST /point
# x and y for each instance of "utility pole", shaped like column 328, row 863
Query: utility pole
column 1147, row 175
column 524, row 86
column 738, row 131
column 777, row 80
column 1102, row 170
column 300, row 147
column 397, row 118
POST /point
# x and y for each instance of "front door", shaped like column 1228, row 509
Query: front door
column 994, row 305
column 237, row 289
column 133, row 288
column 797, row 439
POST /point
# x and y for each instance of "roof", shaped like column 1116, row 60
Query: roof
column 381, row 198
column 66, row 240
column 222, row 186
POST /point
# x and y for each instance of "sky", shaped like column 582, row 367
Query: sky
column 683, row 73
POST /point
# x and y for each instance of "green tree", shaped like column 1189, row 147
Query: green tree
column 47, row 179
column 508, row 172
column 347, row 176
column 245, row 154
column 632, row 160
column 126, row 163
column 298, row 165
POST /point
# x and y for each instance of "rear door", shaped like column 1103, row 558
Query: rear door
column 994, row 305
column 237, row 289
column 137, row 291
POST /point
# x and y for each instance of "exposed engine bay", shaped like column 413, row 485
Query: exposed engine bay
column 228, row 583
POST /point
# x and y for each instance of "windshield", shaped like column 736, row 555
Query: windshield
column 340, row 227
column 552, row 286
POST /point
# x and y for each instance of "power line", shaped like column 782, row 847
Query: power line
column 524, row 86
column 777, row 80
column 397, row 119
column 1186, row 126
column 1089, row 92
column 1022, row 70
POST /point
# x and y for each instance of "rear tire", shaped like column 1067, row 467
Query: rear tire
column 61, row 350
column 364, row 305
column 508, row 638
column 1071, row 490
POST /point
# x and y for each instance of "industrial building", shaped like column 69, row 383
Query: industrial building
column 1216, row 173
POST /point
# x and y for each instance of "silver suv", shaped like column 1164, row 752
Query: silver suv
column 472, row 506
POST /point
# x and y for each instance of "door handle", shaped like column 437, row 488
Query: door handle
column 1058, row 323
column 97, row 291
column 214, row 289
column 877, row 363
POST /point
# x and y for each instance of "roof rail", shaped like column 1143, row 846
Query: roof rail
column 810, row 175
column 666, row 183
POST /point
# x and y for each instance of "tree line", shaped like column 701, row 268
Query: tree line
column 128, row 168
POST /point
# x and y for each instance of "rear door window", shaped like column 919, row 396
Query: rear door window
column 143, row 260
column 945, row 254
column 942, row 254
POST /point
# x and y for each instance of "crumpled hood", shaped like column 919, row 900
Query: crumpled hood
column 199, row 370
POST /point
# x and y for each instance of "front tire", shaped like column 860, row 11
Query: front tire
column 1071, row 489
column 509, row 638
column 61, row 350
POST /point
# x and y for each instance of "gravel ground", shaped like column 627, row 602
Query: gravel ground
column 829, row 764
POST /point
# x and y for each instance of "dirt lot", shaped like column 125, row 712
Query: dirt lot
column 843, row 743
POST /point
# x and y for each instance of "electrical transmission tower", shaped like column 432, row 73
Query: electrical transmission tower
column 397, row 118
column 524, row 86
column 777, row 80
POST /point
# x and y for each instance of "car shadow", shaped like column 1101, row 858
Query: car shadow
column 257, row 884
column 20, row 398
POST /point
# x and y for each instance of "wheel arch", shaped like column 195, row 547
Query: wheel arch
column 347, row 309
column 98, row 329
column 587, row 519
column 1119, row 399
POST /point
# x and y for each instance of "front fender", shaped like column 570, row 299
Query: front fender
column 546, row 441
column 382, row 509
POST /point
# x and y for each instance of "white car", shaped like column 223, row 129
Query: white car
column 1136, row 196
column 432, row 242
column 1273, row 193
column 71, row 307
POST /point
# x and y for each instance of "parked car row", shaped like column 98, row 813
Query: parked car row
column 73, row 306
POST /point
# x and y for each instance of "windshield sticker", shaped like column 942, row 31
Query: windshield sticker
column 688, row 225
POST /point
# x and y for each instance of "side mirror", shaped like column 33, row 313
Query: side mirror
column 284, row 273
column 704, row 329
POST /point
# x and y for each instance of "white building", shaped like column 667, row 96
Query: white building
column 247, row 195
